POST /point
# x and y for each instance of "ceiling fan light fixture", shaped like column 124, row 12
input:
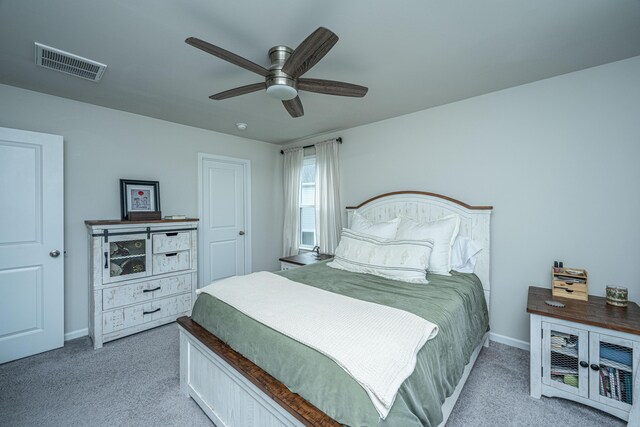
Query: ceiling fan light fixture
column 281, row 85
column 282, row 92
column 283, row 78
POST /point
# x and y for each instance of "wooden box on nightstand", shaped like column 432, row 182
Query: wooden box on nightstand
column 570, row 283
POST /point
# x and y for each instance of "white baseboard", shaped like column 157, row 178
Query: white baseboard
column 512, row 342
column 76, row 334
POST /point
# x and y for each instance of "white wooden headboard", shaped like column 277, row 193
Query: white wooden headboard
column 475, row 220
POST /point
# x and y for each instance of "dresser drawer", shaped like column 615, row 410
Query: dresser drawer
column 145, row 291
column 128, row 317
column 170, row 261
column 171, row 242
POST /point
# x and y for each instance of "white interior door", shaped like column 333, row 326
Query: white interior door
column 224, row 217
column 31, row 243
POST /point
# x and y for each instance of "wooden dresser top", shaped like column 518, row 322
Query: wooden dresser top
column 151, row 221
column 595, row 312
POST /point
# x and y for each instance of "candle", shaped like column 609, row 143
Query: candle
column 617, row 296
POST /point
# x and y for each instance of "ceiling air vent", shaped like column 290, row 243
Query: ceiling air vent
column 65, row 62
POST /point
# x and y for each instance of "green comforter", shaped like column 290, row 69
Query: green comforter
column 456, row 304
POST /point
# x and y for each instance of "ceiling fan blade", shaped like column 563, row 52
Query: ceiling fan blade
column 309, row 52
column 238, row 91
column 330, row 87
column 227, row 56
column 294, row 107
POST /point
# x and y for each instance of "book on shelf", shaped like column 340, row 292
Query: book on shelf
column 616, row 384
column 623, row 392
column 628, row 385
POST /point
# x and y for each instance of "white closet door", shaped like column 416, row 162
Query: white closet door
column 31, row 243
column 225, row 217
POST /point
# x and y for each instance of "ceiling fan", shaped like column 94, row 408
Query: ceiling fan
column 283, row 78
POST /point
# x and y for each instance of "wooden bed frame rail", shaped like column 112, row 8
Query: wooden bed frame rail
column 303, row 411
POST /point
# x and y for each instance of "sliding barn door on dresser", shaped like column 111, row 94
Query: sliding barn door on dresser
column 142, row 275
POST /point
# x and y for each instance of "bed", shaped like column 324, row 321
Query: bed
column 235, row 390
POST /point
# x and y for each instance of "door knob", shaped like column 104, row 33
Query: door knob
column 241, row 233
column 54, row 253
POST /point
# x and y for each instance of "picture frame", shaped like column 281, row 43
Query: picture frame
column 140, row 198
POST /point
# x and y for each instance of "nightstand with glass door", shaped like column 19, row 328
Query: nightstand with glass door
column 586, row 351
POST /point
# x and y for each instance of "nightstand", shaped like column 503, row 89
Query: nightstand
column 587, row 351
column 302, row 259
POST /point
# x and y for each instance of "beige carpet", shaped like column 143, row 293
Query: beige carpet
column 134, row 381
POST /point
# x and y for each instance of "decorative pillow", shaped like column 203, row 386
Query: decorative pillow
column 383, row 230
column 443, row 232
column 463, row 254
column 403, row 260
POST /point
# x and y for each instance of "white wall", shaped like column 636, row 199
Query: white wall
column 559, row 160
column 103, row 145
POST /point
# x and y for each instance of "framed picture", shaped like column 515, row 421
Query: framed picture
column 139, row 196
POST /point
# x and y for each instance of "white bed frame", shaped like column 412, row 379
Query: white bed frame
column 230, row 396
column 475, row 220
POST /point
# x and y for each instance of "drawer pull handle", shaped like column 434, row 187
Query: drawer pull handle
column 152, row 311
column 151, row 290
column 106, row 260
column 171, row 254
column 569, row 290
column 171, row 234
column 584, row 364
column 595, row 367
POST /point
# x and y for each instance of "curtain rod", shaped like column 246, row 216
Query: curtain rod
column 339, row 139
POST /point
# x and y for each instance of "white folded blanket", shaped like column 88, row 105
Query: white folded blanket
column 375, row 344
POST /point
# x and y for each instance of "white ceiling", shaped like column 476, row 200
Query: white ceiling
column 411, row 54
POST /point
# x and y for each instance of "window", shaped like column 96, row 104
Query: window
column 308, row 203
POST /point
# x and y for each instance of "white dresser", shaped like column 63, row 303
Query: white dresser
column 142, row 275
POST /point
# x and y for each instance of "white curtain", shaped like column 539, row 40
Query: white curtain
column 293, row 158
column 328, row 213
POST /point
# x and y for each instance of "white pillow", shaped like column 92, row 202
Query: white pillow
column 443, row 232
column 384, row 229
column 463, row 254
column 403, row 260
